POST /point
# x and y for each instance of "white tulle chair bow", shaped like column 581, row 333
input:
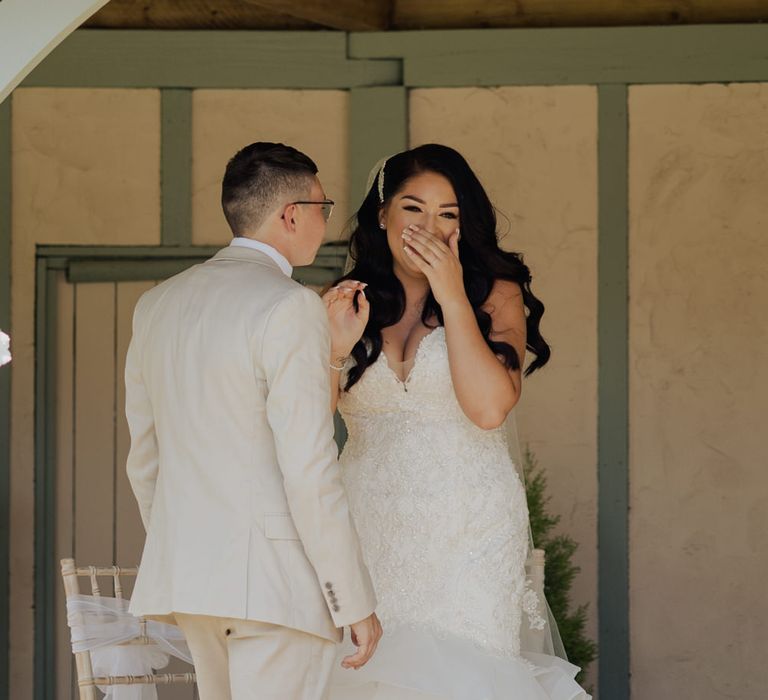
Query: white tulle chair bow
column 114, row 650
column 5, row 348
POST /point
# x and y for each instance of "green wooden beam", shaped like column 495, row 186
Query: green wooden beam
column 176, row 167
column 257, row 59
column 208, row 59
column 60, row 255
column 688, row 54
column 136, row 270
column 378, row 127
column 124, row 251
column 613, row 393
column 79, row 271
column 159, row 264
column 5, row 388
column 45, row 482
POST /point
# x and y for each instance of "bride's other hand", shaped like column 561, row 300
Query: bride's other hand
column 346, row 318
column 439, row 261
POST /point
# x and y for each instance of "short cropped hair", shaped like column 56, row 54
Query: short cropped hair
column 259, row 178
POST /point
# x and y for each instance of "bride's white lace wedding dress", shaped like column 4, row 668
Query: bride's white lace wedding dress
column 443, row 522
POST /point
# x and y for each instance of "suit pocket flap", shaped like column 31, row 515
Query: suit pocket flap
column 279, row 526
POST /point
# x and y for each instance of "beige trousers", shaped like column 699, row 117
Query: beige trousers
column 248, row 660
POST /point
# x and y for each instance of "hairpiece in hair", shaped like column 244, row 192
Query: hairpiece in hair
column 381, row 182
column 376, row 177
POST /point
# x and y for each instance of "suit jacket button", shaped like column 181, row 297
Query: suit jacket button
column 329, row 585
column 336, row 608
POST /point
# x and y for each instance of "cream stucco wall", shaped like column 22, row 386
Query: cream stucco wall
column 535, row 151
column 699, row 391
column 314, row 121
column 86, row 170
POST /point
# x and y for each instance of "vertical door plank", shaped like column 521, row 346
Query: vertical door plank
column 65, row 681
column 94, row 424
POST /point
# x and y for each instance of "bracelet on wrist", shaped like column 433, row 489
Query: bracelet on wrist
column 342, row 362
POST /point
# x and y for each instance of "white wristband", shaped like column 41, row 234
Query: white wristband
column 343, row 361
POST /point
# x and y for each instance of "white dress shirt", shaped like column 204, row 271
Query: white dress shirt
column 267, row 249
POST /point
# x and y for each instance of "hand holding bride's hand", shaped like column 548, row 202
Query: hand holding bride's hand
column 346, row 323
column 439, row 261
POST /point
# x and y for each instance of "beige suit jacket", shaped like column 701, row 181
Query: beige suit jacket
column 232, row 456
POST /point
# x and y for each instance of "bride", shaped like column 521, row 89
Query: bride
column 429, row 331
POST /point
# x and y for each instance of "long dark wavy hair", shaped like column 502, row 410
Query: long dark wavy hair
column 482, row 260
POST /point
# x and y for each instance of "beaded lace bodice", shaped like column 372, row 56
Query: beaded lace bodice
column 438, row 504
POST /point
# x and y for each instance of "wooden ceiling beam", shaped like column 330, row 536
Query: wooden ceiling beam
column 378, row 15
column 346, row 15
column 466, row 14
column 190, row 14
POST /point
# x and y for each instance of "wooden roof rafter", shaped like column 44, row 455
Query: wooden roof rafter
column 344, row 15
column 383, row 15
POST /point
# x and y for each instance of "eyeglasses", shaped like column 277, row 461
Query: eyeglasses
column 326, row 204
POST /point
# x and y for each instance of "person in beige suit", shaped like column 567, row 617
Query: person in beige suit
column 250, row 545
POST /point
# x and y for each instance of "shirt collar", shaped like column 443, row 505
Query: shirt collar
column 267, row 249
